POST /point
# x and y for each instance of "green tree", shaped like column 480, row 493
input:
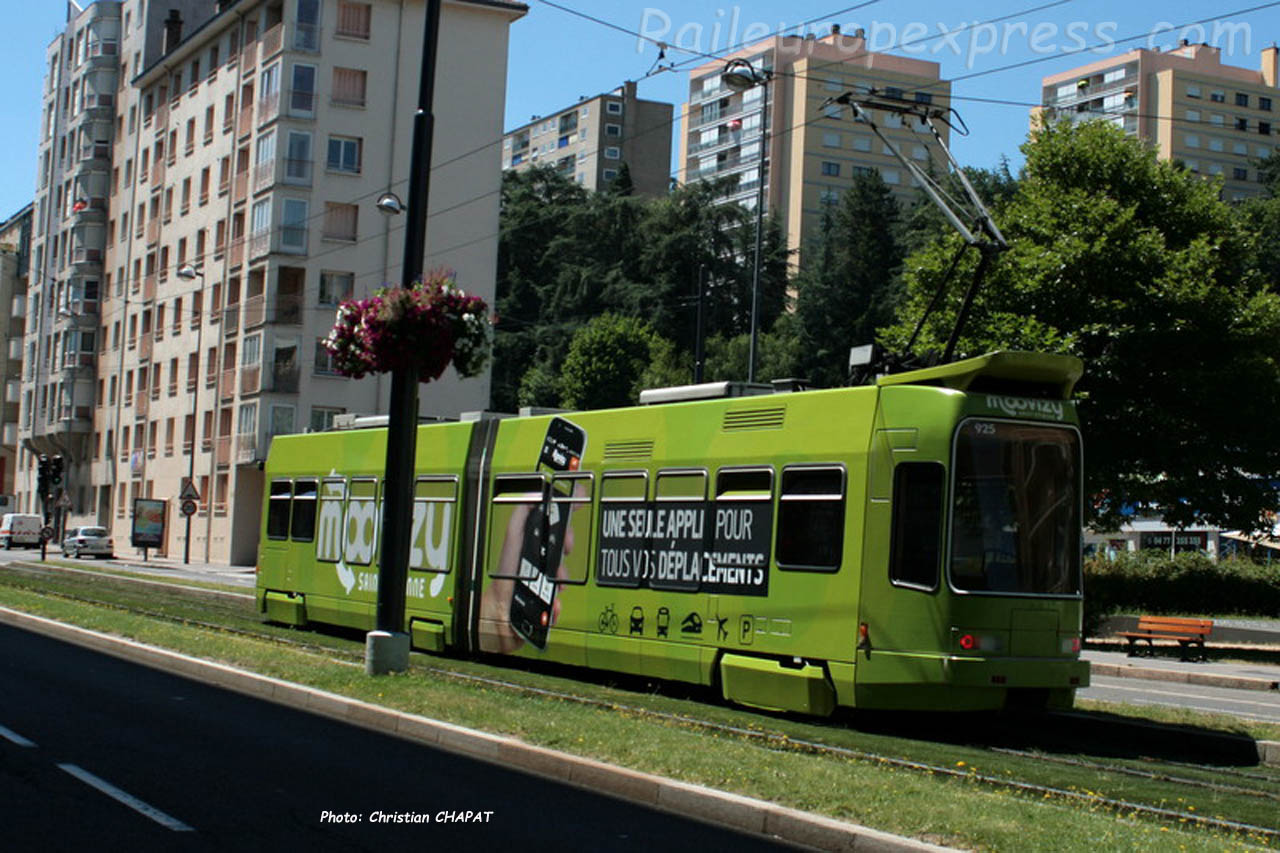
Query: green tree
column 1135, row 266
column 606, row 362
column 848, row 289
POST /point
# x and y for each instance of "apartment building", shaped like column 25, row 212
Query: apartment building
column 15, row 262
column 816, row 146
column 247, row 148
column 589, row 141
column 1219, row 120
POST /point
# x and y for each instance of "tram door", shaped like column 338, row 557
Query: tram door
column 902, row 623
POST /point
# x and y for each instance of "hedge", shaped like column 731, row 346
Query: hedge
column 1189, row 583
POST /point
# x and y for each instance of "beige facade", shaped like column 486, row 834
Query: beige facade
column 818, row 147
column 15, row 263
column 589, row 141
column 251, row 140
column 1219, row 120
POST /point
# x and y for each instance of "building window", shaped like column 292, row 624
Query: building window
column 1264, row 103
column 302, row 91
column 340, row 221
column 1218, row 97
column 1239, row 174
column 613, row 108
column 322, row 417
column 1193, row 91
column 323, row 367
column 1264, row 127
column 293, row 225
column 613, row 130
column 353, row 20
column 349, row 86
column 344, row 154
column 831, row 140
column 335, row 287
column 830, row 170
column 1242, row 124
column 307, row 34
column 613, row 153
column 1191, row 140
column 609, row 174
column 1242, row 100
column 297, row 164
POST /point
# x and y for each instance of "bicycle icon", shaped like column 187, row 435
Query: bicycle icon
column 608, row 623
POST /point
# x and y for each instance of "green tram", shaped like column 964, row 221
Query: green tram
column 911, row 544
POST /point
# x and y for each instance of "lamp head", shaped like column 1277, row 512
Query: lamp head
column 189, row 272
column 389, row 203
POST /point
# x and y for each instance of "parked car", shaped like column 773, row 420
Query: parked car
column 88, row 540
column 17, row 528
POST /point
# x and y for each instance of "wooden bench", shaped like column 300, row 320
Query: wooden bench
column 1189, row 634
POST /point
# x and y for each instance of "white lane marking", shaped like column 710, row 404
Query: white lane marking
column 1201, row 696
column 13, row 737
column 127, row 799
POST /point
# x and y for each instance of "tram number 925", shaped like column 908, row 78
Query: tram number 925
column 983, row 428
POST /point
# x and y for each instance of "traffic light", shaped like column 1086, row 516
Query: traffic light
column 42, row 477
column 55, row 472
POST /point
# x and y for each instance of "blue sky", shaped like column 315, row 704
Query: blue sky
column 555, row 56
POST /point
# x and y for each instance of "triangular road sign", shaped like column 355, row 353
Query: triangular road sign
column 189, row 492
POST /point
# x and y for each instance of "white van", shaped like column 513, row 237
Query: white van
column 18, row 528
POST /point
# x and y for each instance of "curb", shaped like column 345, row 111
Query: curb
column 1204, row 679
column 694, row 801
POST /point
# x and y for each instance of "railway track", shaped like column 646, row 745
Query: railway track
column 1179, row 776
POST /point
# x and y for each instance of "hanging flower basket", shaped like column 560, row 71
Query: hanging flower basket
column 422, row 329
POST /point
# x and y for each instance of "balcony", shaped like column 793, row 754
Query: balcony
column 157, row 172
column 240, row 189
column 95, row 154
column 231, row 320
column 268, row 107
column 153, row 231
column 149, row 287
column 297, row 172
column 235, row 255
column 244, row 125
column 259, row 244
column 227, row 391
column 250, row 379
column 246, row 449
column 88, row 210
column 249, row 57
column 264, row 175
column 145, row 346
column 254, row 311
column 85, row 259
column 283, row 379
column 223, row 454
column 271, row 41
column 161, row 117
column 141, row 405
column 287, row 310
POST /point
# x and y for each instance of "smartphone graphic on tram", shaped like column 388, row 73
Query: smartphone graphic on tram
column 543, row 547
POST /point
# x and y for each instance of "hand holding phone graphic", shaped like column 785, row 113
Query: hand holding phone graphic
column 537, row 538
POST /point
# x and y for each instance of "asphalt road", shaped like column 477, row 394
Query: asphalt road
column 101, row 754
column 1251, row 704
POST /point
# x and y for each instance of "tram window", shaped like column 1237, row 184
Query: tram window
column 622, row 503
column 744, row 484
column 811, row 506
column 278, row 509
column 572, row 495
column 515, row 496
column 360, row 529
column 624, row 486
column 329, row 533
column 303, row 526
column 429, row 533
column 916, row 542
column 681, row 486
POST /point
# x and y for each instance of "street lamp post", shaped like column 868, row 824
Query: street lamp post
column 387, row 647
column 740, row 75
column 188, row 272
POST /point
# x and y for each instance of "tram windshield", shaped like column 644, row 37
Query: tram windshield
column 1016, row 509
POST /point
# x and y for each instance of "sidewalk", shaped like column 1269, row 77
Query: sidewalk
column 1240, row 676
column 175, row 567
